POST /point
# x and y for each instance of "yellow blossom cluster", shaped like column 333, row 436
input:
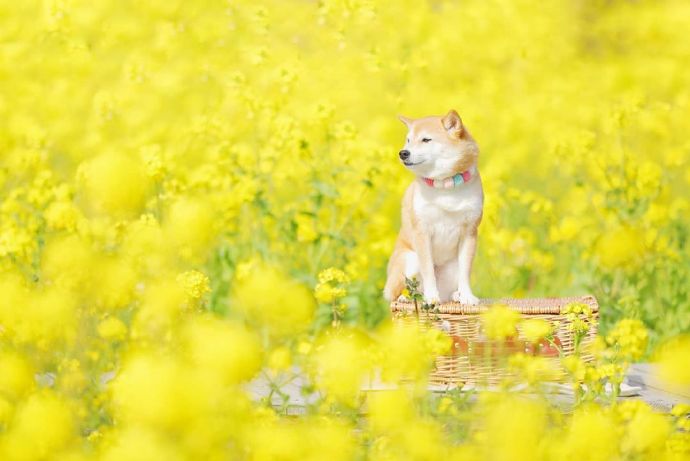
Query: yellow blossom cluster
column 195, row 283
column 500, row 322
column 630, row 337
column 330, row 284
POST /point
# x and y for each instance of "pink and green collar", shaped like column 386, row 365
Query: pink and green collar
column 450, row 182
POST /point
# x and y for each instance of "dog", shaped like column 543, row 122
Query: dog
column 441, row 211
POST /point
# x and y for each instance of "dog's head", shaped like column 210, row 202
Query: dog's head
column 438, row 147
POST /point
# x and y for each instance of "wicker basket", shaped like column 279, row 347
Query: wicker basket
column 476, row 360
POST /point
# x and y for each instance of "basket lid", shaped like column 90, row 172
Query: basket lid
column 522, row 305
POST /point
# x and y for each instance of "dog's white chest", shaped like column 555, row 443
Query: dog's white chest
column 447, row 215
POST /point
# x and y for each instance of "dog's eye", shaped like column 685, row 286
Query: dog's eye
column 426, row 139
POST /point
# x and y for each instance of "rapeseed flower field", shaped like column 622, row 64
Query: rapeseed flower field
column 195, row 194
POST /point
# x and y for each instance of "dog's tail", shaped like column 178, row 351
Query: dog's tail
column 394, row 287
column 395, row 283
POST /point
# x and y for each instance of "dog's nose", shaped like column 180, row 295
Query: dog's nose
column 404, row 154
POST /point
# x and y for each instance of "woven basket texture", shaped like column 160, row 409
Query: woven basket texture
column 476, row 360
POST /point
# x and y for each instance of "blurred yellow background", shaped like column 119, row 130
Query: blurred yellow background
column 189, row 179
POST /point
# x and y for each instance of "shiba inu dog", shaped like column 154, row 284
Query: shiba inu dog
column 441, row 211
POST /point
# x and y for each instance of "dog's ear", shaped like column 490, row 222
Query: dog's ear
column 452, row 123
column 405, row 120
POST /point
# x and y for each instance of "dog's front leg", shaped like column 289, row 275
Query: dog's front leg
column 426, row 267
column 466, row 251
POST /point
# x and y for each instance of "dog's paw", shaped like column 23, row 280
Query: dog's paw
column 431, row 297
column 465, row 298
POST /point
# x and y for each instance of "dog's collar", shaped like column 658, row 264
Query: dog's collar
column 450, row 182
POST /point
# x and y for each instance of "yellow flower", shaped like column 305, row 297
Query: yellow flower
column 648, row 176
column 436, row 341
column 5, row 411
column 161, row 303
column 304, row 347
column 327, row 293
column 499, row 322
column 62, row 215
column 246, row 267
column 330, row 286
column 137, row 443
column 575, row 366
column 279, row 359
column 16, row 376
column 306, row 228
column 533, row 369
column 589, row 435
column 71, row 377
column 514, row 427
column 195, row 283
column 42, row 426
column 114, row 183
column 406, row 352
column 630, row 337
column 647, row 431
column 680, row 409
column 333, row 274
column 271, row 299
column 112, row 328
column 49, row 319
column 68, row 261
column 614, row 371
column 672, row 360
column 116, row 281
column 283, row 439
column 535, row 330
column 621, row 248
column 445, row 405
column 230, row 351
column 153, row 389
column 153, row 161
column 190, row 227
column 568, row 229
column 389, row 410
column 342, row 383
